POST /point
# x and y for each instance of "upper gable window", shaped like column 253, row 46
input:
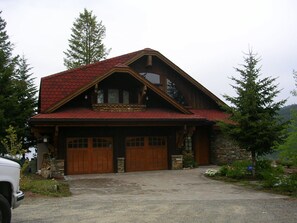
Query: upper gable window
column 152, row 77
column 100, row 97
column 125, row 97
column 174, row 93
column 113, row 96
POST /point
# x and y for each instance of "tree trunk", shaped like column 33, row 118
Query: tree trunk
column 254, row 163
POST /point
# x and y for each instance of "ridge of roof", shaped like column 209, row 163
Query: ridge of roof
column 83, row 67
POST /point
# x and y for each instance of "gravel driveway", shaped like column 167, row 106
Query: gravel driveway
column 157, row 196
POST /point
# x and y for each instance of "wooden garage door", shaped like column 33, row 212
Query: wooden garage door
column 89, row 155
column 146, row 153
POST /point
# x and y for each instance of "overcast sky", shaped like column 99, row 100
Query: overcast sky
column 206, row 39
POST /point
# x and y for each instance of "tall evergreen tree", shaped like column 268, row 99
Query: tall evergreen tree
column 27, row 99
column 8, row 99
column 254, row 113
column 85, row 44
column 17, row 91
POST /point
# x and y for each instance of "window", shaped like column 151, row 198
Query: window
column 174, row 93
column 77, row 143
column 113, row 96
column 100, row 97
column 157, row 141
column 125, row 97
column 102, row 142
column 152, row 77
column 188, row 143
column 135, row 141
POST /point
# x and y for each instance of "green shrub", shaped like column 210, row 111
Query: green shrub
column 239, row 169
column 188, row 160
column 269, row 173
column 223, row 170
column 270, row 178
column 263, row 164
column 290, row 184
column 282, row 183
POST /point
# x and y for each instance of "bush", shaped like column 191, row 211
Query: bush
column 290, row 184
column 223, row 170
column 263, row 164
column 271, row 177
column 281, row 182
column 188, row 160
column 238, row 169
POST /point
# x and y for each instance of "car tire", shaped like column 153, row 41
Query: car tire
column 5, row 210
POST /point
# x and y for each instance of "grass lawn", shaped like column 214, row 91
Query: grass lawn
column 32, row 183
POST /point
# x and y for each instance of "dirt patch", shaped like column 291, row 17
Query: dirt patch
column 102, row 186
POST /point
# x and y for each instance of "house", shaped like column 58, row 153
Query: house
column 134, row 112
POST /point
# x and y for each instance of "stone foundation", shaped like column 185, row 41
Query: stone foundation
column 57, row 168
column 52, row 168
column 176, row 162
column 121, row 165
column 224, row 150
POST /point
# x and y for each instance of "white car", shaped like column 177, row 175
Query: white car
column 10, row 194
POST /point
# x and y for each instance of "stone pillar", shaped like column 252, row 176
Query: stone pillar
column 177, row 162
column 121, row 165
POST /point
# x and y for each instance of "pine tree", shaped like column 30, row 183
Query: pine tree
column 85, row 44
column 17, row 91
column 256, row 124
column 27, row 99
column 8, row 99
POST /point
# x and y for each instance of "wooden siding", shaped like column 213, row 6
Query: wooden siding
column 194, row 97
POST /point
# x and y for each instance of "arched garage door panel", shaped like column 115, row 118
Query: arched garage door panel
column 146, row 153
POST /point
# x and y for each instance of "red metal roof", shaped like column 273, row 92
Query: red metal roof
column 56, row 87
column 79, row 114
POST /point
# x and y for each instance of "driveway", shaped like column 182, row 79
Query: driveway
column 157, row 196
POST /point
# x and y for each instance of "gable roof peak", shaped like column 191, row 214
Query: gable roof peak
column 149, row 49
column 120, row 65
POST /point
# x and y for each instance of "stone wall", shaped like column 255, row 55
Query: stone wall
column 224, row 150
